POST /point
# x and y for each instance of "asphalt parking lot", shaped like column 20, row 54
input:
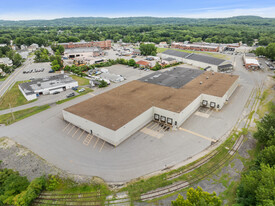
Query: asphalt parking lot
column 128, row 72
column 30, row 71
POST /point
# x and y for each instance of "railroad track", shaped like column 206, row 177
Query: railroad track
column 184, row 184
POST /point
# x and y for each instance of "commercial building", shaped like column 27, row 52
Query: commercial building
column 142, row 63
column 83, row 52
column 48, row 85
column 168, row 61
column 168, row 97
column 196, row 47
column 198, row 60
column 250, row 61
column 102, row 44
column 112, row 77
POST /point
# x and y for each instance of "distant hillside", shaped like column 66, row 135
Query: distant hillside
column 85, row 21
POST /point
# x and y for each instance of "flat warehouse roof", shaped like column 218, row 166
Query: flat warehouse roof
column 117, row 107
column 176, row 77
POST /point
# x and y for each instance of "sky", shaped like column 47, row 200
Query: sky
column 51, row 9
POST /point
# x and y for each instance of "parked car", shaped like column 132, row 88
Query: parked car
column 134, row 56
column 81, row 90
column 51, row 71
column 70, row 95
column 74, row 88
column 56, row 92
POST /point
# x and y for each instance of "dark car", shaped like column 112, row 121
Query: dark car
column 56, row 92
column 51, row 71
column 70, row 95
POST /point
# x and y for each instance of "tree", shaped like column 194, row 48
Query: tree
column 267, row 156
column 266, row 130
column 11, row 184
column 131, row 62
column 198, row 197
column 102, row 84
column 257, row 187
column 260, row 51
column 148, row 49
column 157, row 67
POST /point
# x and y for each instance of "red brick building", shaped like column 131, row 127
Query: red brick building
column 102, row 44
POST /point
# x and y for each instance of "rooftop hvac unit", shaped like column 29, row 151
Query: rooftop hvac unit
column 200, row 82
column 212, row 104
column 204, row 103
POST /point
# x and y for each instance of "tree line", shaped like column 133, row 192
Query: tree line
column 214, row 33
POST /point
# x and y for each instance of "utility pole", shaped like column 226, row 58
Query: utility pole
column 12, row 113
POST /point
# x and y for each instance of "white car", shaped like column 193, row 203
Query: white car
column 81, row 90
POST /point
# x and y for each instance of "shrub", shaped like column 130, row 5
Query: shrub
column 33, row 191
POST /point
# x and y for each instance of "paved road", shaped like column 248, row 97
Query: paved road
column 49, row 136
column 11, row 79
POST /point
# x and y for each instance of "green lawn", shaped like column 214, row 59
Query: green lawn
column 213, row 54
column 81, row 80
column 13, row 97
column 87, row 90
column 8, row 119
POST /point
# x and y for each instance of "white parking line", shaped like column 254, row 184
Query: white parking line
column 96, row 142
column 102, row 146
column 80, row 135
column 71, row 129
column 66, row 127
column 75, row 132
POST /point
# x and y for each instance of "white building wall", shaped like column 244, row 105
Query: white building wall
column 189, row 110
column 202, row 64
column 102, row 132
column 28, row 97
column 166, row 113
column 133, row 126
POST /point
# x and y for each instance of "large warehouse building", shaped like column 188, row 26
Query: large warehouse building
column 198, row 60
column 169, row 97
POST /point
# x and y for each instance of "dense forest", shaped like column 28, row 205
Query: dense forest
column 139, row 29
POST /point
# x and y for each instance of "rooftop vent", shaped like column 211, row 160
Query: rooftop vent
column 207, row 77
column 213, row 73
column 200, row 82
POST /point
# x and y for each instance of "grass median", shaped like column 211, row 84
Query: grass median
column 81, row 80
column 11, row 118
column 13, row 98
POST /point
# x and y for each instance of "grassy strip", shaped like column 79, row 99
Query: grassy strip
column 216, row 55
column 81, row 80
column 87, row 90
column 8, row 119
column 13, row 97
column 94, row 192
